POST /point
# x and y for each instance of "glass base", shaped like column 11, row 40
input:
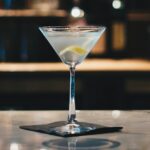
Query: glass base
column 73, row 128
column 65, row 129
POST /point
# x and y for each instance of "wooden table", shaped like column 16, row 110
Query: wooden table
column 134, row 136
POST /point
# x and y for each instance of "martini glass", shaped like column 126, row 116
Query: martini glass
column 72, row 45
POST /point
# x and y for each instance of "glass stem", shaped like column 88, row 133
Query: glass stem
column 72, row 109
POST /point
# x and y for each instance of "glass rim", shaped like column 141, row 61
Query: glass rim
column 86, row 27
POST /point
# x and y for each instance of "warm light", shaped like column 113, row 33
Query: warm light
column 77, row 12
column 14, row 146
column 117, row 4
column 115, row 114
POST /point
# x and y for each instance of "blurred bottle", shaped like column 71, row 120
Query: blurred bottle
column 2, row 50
column 43, row 6
column 118, row 28
column 7, row 4
column 24, row 47
column 14, row 4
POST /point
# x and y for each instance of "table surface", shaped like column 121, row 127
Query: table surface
column 134, row 136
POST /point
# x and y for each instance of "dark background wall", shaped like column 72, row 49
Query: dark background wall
column 21, row 41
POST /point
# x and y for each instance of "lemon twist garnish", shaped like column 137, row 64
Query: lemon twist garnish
column 74, row 48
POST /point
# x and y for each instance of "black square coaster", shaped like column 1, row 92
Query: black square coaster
column 51, row 129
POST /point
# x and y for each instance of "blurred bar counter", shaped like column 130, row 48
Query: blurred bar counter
column 100, row 84
column 88, row 65
column 31, row 13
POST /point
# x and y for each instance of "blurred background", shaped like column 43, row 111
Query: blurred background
column 127, row 40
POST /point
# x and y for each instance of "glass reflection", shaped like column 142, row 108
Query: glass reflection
column 81, row 143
